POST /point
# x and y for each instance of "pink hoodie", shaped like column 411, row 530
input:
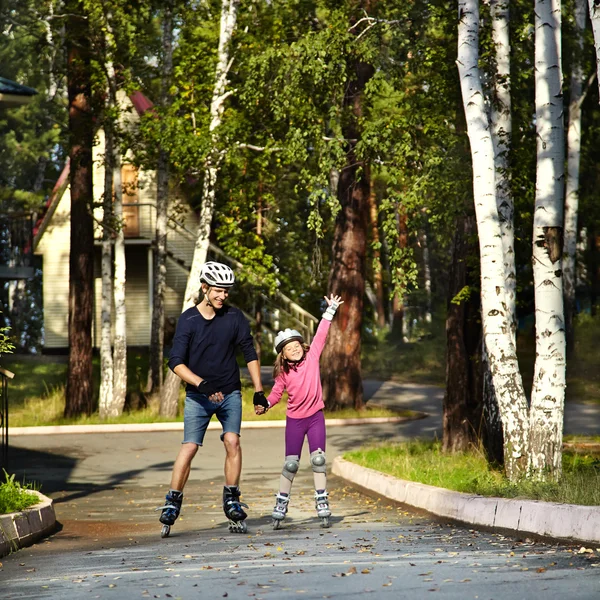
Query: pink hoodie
column 303, row 381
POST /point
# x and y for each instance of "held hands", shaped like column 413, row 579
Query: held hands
column 210, row 390
column 261, row 405
column 333, row 302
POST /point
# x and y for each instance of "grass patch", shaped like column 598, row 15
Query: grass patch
column 421, row 361
column 469, row 472
column 48, row 410
column 15, row 497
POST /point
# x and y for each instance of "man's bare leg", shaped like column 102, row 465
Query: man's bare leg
column 183, row 465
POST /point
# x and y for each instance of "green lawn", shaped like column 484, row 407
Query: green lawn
column 14, row 497
column 469, row 472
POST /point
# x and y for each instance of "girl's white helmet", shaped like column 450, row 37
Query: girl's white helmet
column 217, row 274
column 285, row 336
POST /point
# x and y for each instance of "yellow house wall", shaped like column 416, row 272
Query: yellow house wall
column 54, row 247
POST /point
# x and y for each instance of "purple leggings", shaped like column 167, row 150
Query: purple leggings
column 295, row 429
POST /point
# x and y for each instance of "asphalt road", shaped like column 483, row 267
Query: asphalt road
column 106, row 486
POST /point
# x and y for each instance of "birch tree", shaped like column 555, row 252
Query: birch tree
column 595, row 18
column 228, row 21
column 549, row 380
column 573, row 162
column 120, row 340
column 500, row 348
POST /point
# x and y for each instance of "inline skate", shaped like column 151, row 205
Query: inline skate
column 170, row 511
column 280, row 510
column 322, row 506
column 234, row 509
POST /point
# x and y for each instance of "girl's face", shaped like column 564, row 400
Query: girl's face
column 293, row 351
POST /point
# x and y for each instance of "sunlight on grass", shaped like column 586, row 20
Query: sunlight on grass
column 469, row 472
column 15, row 497
column 48, row 410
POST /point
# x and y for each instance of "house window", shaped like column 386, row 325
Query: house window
column 131, row 210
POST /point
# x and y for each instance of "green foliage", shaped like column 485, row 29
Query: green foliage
column 6, row 346
column 15, row 497
column 469, row 472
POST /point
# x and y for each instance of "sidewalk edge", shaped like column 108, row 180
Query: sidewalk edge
column 21, row 529
column 547, row 519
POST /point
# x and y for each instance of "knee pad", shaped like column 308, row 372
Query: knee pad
column 317, row 460
column 290, row 467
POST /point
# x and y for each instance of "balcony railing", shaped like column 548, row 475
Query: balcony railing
column 16, row 245
column 4, row 377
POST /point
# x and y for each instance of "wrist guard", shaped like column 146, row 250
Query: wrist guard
column 260, row 400
column 206, row 388
column 330, row 312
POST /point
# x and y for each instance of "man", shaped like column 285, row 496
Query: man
column 204, row 356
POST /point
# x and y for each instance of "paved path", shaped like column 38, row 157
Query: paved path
column 106, row 485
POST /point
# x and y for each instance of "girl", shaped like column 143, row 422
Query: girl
column 297, row 371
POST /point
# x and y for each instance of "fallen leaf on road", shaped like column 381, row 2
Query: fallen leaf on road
column 365, row 571
column 540, row 570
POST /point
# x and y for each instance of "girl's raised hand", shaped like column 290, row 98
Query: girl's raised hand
column 333, row 298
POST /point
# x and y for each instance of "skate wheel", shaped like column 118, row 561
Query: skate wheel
column 276, row 523
column 325, row 522
column 164, row 532
column 238, row 527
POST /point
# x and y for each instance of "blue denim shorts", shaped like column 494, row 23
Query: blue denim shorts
column 199, row 410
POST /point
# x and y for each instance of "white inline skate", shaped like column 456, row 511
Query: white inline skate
column 280, row 510
column 322, row 506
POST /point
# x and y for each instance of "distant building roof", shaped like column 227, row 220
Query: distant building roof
column 14, row 94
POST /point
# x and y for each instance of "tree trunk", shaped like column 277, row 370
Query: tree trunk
column 426, row 274
column 462, row 407
column 170, row 391
column 595, row 18
column 377, row 268
column 120, row 342
column 342, row 381
column 106, row 359
column 79, row 391
column 496, row 322
column 548, row 392
column 157, row 333
column 400, row 322
column 573, row 160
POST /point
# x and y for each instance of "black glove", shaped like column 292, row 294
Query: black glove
column 260, row 399
column 204, row 387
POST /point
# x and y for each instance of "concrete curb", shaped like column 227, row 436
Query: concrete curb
column 178, row 426
column 559, row 521
column 21, row 529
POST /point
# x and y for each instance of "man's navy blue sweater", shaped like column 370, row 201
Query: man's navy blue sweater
column 208, row 347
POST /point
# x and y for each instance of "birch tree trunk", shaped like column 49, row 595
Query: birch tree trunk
column 496, row 322
column 548, row 392
column 106, row 406
column 501, row 126
column 106, row 360
column 120, row 342
column 573, row 161
column 157, row 334
column 595, row 18
column 170, row 391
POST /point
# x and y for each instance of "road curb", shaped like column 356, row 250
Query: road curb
column 21, row 529
column 178, row 426
column 547, row 519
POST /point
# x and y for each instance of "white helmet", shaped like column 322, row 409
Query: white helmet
column 285, row 336
column 217, row 274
